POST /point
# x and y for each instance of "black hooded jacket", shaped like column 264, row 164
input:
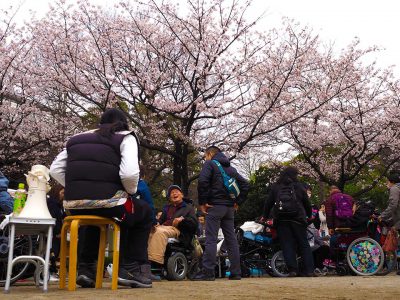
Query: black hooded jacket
column 211, row 189
column 301, row 196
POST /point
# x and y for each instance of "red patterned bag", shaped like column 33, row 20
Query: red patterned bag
column 391, row 241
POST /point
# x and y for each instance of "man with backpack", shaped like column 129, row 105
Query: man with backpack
column 338, row 208
column 220, row 190
column 290, row 207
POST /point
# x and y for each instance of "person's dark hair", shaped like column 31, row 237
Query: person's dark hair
column 212, row 150
column 334, row 187
column 307, row 187
column 394, row 176
column 111, row 121
column 54, row 192
column 142, row 173
column 288, row 175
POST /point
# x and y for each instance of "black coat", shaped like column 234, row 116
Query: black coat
column 211, row 187
column 301, row 197
column 188, row 226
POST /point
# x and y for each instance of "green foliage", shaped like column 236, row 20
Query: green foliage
column 259, row 184
column 378, row 194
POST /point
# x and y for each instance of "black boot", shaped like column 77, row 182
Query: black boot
column 130, row 275
column 204, row 275
column 86, row 275
column 146, row 271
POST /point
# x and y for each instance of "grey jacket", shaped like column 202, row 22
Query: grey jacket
column 392, row 212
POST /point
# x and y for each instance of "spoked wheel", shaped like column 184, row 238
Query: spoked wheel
column 177, row 267
column 22, row 246
column 278, row 265
column 365, row 256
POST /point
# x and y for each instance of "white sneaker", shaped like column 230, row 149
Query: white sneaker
column 54, row 277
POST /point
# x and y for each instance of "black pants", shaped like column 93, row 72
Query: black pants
column 293, row 236
column 320, row 255
column 135, row 230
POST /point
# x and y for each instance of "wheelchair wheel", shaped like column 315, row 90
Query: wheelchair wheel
column 365, row 256
column 278, row 265
column 22, row 246
column 177, row 267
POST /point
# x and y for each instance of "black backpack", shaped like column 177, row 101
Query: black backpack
column 286, row 204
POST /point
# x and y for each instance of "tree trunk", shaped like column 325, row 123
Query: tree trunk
column 180, row 167
column 321, row 195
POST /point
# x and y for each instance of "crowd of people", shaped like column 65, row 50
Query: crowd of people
column 98, row 174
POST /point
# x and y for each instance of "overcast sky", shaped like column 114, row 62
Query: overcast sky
column 375, row 22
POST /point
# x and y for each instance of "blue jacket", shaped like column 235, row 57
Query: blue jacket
column 144, row 193
column 6, row 201
column 211, row 187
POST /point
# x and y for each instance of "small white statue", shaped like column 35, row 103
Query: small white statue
column 36, row 203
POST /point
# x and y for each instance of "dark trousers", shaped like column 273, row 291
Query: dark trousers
column 220, row 216
column 293, row 236
column 135, row 230
column 54, row 253
column 320, row 255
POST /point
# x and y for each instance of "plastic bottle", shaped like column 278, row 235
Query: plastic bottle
column 19, row 199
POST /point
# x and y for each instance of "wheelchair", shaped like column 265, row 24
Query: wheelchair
column 180, row 261
column 356, row 252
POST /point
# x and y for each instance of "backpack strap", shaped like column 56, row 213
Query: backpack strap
column 221, row 169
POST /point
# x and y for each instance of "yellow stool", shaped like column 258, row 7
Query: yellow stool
column 72, row 223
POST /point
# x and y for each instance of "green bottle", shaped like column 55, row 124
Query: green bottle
column 19, row 199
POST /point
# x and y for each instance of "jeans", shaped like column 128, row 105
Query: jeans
column 293, row 236
column 220, row 216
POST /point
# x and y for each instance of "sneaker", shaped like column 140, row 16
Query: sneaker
column 204, row 275
column 292, row 274
column 129, row 275
column 235, row 277
column 54, row 277
column 329, row 263
column 318, row 272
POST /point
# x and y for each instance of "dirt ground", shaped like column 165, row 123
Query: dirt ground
column 349, row 287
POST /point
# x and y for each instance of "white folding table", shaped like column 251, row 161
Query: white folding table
column 30, row 226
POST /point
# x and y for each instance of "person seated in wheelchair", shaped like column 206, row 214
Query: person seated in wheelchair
column 178, row 220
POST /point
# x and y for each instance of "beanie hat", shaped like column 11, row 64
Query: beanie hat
column 173, row 187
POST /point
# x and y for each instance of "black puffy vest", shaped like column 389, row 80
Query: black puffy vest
column 93, row 166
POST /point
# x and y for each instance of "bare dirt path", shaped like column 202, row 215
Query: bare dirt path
column 350, row 287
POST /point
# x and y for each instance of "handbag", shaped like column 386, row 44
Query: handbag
column 197, row 249
column 391, row 241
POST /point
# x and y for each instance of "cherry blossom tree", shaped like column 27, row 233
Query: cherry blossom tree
column 30, row 131
column 185, row 80
column 354, row 138
column 194, row 76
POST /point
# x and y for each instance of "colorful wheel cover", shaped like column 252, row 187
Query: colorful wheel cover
column 365, row 257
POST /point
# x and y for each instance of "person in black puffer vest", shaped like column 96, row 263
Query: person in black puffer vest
column 290, row 218
column 100, row 170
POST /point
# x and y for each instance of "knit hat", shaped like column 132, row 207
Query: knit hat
column 173, row 187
